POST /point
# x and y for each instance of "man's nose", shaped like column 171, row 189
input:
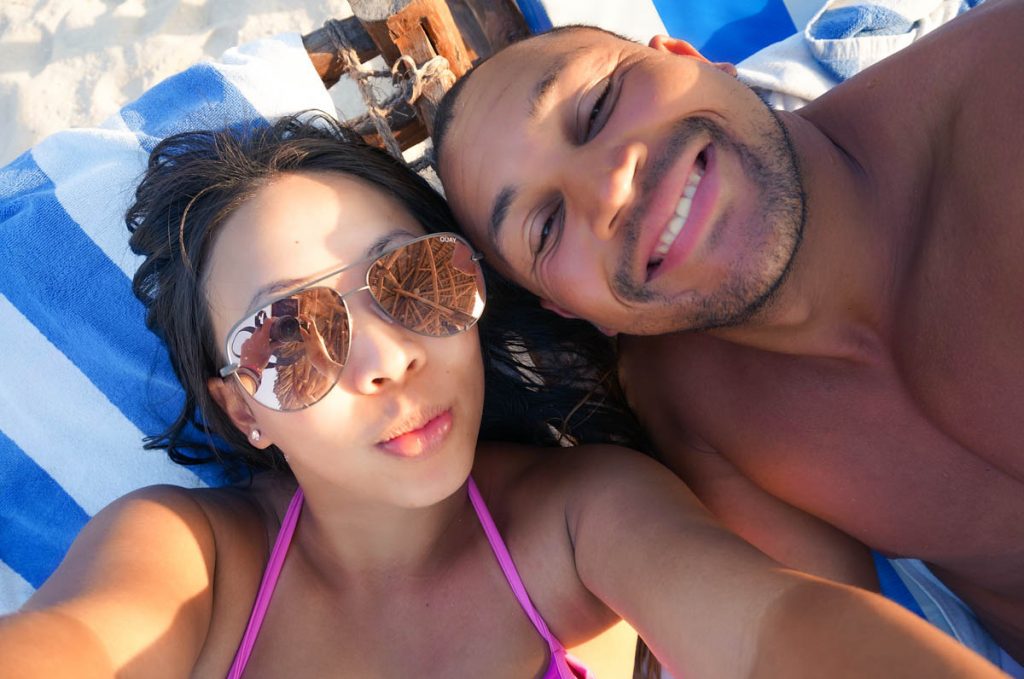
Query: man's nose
column 382, row 354
column 601, row 183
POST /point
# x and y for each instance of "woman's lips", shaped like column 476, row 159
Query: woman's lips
column 420, row 441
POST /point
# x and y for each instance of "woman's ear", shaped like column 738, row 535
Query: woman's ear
column 237, row 409
column 682, row 48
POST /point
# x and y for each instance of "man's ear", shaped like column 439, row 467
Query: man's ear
column 665, row 43
column 237, row 409
column 682, row 48
column 551, row 306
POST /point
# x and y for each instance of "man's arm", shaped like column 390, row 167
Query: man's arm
column 133, row 596
column 709, row 604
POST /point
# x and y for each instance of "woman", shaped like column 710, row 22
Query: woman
column 327, row 339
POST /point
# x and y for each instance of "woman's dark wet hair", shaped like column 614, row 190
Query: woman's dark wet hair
column 550, row 380
column 196, row 180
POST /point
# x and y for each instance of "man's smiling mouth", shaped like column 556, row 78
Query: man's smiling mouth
column 682, row 211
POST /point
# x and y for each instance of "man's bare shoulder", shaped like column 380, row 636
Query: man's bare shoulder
column 675, row 373
column 905, row 105
column 982, row 46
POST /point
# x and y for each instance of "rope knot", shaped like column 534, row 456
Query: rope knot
column 408, row 78
column 414, row 78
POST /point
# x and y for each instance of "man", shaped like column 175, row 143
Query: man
column 851, row 277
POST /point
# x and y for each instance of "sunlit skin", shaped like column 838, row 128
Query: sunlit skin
column 879, row 386
column 389, row 573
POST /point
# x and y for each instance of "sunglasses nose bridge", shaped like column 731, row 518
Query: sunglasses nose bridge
column 381, row 351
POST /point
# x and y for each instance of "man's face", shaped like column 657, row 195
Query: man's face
column 643, row 190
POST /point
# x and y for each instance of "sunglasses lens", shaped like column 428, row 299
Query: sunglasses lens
column 431, row 286
column 292, row 351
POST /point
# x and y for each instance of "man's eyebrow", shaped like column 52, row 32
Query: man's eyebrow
column 498, row 213
column 537, row 102
column 542, row 90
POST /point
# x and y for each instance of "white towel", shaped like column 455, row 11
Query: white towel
column 842, row 38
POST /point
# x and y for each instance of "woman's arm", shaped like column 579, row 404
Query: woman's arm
column 788, row 535
column 710, row 605
column 132, row 597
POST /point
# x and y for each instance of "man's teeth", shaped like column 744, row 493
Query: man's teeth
column 675, row 225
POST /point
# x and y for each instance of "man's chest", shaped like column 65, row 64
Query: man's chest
column 857, row 446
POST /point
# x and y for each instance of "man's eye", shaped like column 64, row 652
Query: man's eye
column 550, row 222
column 594, row 124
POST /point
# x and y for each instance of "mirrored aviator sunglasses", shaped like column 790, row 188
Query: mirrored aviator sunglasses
column 290, row 352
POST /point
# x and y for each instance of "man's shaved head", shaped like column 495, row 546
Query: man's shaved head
column 640, row 188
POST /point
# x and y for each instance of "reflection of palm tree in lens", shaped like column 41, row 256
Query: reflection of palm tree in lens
column 304, row 377
column 422, row 288
column 316, row 349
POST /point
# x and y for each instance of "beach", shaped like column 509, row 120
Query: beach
column 72, row 63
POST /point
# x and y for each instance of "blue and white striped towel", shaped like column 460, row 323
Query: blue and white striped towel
column 723, row 30
column 81, row 378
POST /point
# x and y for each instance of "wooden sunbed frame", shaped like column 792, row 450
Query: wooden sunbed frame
column 462, row 31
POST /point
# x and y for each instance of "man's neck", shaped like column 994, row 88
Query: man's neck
column 835, row 298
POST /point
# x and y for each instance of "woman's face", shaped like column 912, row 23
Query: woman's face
column 400, row 424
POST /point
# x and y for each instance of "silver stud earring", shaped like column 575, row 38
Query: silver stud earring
column 255, row 435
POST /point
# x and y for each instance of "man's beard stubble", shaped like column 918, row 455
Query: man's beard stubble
column 777, row 230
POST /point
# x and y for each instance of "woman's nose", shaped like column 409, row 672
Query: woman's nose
column 382, row 352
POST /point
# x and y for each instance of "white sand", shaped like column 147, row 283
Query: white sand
column 68, row 63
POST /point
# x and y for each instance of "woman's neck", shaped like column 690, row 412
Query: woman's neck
column 346, row 539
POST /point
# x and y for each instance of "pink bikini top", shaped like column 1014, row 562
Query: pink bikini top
column 562, row 665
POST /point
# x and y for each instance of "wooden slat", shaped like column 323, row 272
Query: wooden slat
column 325, row 57
column 420, row 29
column 462, row 31
column 489, row 26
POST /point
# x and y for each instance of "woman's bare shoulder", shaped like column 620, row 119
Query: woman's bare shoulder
column 511, row 467
column 535, row 495
column 154, row 532
column 139, row 584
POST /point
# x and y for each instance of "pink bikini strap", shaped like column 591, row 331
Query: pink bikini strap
column 509, row 569
column 267, row 585
column 280, row 551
